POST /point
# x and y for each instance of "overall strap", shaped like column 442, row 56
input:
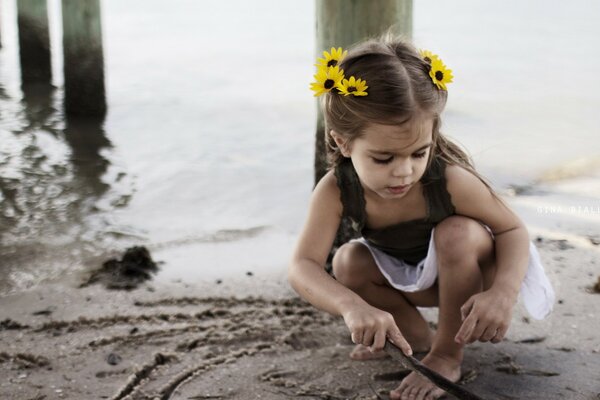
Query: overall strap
column 440, row 202
column 351, row 194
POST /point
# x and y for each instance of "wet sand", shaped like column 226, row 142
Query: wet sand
column 252, row 338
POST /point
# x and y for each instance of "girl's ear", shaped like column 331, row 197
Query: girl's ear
column 342, row 143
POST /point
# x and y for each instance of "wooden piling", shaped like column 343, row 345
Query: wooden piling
column 34, row 42
column 83, row 58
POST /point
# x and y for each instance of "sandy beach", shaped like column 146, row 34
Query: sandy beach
column 250, row 337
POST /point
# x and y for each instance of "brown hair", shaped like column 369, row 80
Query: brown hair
column 400, row 88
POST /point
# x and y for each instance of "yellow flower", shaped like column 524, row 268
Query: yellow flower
column 353, row 86
column 332, row 59
column 440, row 74
column 428, row 56
column 327, row 78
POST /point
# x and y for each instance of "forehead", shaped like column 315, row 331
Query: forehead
column 394, row 138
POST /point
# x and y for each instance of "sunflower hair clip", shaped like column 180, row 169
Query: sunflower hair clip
column 330, row 77
column 438, row 72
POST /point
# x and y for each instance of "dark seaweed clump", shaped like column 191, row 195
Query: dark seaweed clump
column 135, row 267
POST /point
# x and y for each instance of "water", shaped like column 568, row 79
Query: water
column 206, row 153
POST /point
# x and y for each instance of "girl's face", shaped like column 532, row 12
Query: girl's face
column 390, row 160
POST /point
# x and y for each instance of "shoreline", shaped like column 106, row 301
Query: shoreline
column 563, row 206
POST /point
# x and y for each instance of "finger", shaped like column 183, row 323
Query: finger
column 466, row 329
column 396, row 338
column 500, row 333
column 378, row 341
column 488, row 334
column 480, row 327
column 465, row 310
column 356, row 337
column 367, row 339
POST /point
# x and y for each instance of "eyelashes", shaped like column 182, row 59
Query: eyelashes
column 389, row 160
column 379, row 161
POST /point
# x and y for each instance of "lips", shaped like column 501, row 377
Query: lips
column 398, row 189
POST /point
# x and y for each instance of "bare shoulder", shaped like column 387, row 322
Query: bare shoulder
column 472, row 198
column 460, row 181
column 462, row 184
column 327, row 194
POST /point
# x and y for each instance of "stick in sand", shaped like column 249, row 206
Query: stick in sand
column 413, row 364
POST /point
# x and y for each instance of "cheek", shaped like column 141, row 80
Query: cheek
column 421, row 167
column 370, row 173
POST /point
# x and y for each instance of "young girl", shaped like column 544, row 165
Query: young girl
column 434, row 234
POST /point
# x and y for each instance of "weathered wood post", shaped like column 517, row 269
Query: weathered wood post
column 83, row 58
column 34, row 42
column 340, row 23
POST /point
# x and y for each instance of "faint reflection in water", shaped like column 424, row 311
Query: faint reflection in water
column 38, row 102
column 51, row 177
column 87, row 138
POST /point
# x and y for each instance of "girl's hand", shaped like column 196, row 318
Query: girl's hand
column 486, row 316
column 371, row 326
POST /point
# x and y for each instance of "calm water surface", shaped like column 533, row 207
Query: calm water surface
column 205, row 155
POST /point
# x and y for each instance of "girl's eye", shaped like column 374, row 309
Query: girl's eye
column 385, row 161
column 420, row 155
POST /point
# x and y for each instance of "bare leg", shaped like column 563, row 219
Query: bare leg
column 354, row 267
column 464, row 250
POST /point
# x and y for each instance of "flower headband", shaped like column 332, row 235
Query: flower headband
column 330, row 77
column 439, row 73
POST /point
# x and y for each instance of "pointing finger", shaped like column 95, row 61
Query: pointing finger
column 396, row 338
column 466, row 329
column 466, row 309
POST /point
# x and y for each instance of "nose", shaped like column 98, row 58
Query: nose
column 402, row 168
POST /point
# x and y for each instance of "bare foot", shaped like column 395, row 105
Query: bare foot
column 415, row 387
column 362, row 353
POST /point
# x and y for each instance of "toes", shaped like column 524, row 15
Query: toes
column 421, row 393
column 410, row 393
column 413, row 387
column 400, row 392
column 396, row 394
column 435, row 394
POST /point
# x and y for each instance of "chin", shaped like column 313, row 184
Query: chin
column 387, row 195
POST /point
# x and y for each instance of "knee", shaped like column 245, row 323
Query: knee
column 350, row 265
column 459, row 238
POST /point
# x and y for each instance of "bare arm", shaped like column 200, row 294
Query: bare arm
column 306, row 272
column 308, row 277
